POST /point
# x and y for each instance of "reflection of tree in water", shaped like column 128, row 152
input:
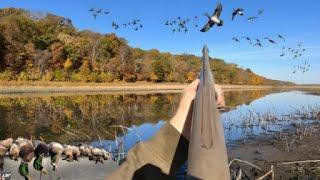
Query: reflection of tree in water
column 87, row 117
column 83, row 117
column 235, row 98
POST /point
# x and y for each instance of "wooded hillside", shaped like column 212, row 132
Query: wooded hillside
column 47, row 47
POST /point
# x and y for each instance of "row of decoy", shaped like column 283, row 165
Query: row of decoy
column 28, row 150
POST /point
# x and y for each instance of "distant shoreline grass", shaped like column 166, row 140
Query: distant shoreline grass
column 14, row 87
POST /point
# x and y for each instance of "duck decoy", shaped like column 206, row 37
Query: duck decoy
column 55, row 151
column 41, row 151
column 27, row 154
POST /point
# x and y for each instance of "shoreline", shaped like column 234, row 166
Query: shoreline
column 138, row 87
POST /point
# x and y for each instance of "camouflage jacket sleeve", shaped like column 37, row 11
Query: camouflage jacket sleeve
column 158, row 158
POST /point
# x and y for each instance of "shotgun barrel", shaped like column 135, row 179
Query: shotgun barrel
column 207, row 158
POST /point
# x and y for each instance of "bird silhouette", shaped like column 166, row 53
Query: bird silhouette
column 251, row 19
column 270, row 40
column 281, row 37
column 260, row 12
column 235, row 39
column 238, row 11
column 91, row 10
column 214, row 19
column 94, row 15
column 248, row 39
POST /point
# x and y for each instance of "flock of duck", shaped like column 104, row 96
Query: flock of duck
column 28, row 149
column 184, row 25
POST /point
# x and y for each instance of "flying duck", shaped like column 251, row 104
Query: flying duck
column 214, row 19
column 270, row 40
column 235, row 39
column 238, row 11
column 281, row 37
column 260, row 12
column 251, row 19
column 248, row 39
column 99, row 11
column 258, row 44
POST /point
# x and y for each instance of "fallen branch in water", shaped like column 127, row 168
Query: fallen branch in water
column 246, row 162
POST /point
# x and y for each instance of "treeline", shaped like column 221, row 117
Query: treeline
column 35, row 47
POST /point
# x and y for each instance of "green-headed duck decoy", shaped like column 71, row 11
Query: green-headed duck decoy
column 55, row 151
column 27, row 154
column 40, row 152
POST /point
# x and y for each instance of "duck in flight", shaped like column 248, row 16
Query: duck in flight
column 214, row 19
column 251, row 19
column 235, row 39
column 281, row 37
column 248, row 39
column 260, row 12
column 270, row 40
column 238, row 11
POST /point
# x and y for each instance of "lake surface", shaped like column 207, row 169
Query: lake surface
column 99, row 119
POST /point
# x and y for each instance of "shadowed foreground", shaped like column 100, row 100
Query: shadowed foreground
column 82, row 170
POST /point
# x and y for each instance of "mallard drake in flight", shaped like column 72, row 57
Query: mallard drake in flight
column 238, row 11
column 55, row 151
column 214, row 19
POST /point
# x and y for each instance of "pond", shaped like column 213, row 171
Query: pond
column 110, row 119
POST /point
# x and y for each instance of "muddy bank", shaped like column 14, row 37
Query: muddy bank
column 282, row 150
column 125, row 88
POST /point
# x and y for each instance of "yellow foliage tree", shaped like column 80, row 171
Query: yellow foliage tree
column 67, row 64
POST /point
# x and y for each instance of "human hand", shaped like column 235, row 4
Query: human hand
column 183, row 117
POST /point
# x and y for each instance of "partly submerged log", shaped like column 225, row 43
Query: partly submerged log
column 207, row 158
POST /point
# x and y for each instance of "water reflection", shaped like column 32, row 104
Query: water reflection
column 69, row 119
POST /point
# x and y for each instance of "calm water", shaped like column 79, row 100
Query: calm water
column 91, row 118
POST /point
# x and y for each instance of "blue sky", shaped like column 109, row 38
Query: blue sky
column 297, row 21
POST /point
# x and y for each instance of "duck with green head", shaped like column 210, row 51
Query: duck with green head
column 27, row 154
column 55, row 151
column 40, row 151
